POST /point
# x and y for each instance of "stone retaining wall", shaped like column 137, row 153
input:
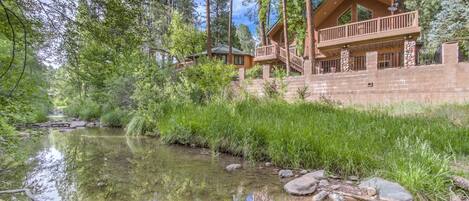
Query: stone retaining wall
column 442, row 83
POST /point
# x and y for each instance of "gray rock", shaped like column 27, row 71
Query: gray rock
column 233, row 167
column 323, row 183
column 336, row 197
column 461, row 182
column 319, row 174
column 77, row 124
column 268, row 164
column 304, row 185
column 387, row 190
column 320, row 196
column 285, row 173
column 303, row 172
column 353, row 178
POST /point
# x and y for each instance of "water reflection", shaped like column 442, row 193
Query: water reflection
column 104, row 164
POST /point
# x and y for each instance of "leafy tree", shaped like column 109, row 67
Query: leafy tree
column 184, row 39
column 245, row 38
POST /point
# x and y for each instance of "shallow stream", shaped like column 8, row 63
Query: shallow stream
column 104, row 164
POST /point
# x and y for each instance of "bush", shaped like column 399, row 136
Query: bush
column 413, row 151
column 115, row 118
column 84, row 109
column 138, row 125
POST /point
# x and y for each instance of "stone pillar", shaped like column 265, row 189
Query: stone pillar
column 308, row 69
column 372, row 61
column 266, row 71
column 409, row 53
column 241, row 72
column 450, row 53
column 345, row 59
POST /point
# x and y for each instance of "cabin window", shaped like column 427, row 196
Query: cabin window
column 364, row 13
column 222, row 58
column 345, row 18
column 238, row 60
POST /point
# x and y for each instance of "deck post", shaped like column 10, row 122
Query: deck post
column 345, row 59
column 372, row 61
column 450, row 53
column 307, row 69
column 266, row 71
column 241, row 72
column 409, row 52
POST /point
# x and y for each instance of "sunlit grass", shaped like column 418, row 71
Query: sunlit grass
column 412, row 150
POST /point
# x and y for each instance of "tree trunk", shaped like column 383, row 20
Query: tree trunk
column 310, row 27
column 230, row 45
column 262, row 27
column 285, row 35
column 209, row 34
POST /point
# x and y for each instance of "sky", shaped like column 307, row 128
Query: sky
column 240, row 13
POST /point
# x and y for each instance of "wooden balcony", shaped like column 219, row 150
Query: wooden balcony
column 266, row 53
column 383, row 27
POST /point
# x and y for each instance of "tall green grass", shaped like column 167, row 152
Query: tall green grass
column 414, row 151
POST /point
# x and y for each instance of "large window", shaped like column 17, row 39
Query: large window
column 345, row 18
column 238, row 60
column 364, row 13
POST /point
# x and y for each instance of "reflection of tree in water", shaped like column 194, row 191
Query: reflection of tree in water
column 106, row 165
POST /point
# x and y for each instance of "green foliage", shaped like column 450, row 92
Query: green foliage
column 245, row 38
column 209, row 78
column 138, row 125
column 115, row 118
column 276, row 88
column 84, row 109
column 184, row 39
column 254, row 72
column 413, row 151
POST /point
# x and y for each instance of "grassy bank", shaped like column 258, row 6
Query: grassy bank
column 412, row 150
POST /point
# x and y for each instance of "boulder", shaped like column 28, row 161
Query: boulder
column 304, row 185
column 319, row 174
column 323, row 183
column 387, row 190
column 304, row 172
column 77, row 124
column 233, row 167
column 285, row 173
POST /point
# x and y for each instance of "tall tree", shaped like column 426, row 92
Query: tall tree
column 263, row 6
column 245, row 38
column 230, row 45
column 285, row 34
column 209, row 32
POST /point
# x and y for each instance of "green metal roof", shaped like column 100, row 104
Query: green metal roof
column 223, row 49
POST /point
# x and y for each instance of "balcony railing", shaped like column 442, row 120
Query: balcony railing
column 373, row 26
column 268, row 50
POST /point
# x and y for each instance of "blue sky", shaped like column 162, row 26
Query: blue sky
column 240, row 13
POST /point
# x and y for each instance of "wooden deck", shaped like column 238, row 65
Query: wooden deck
column 377, row 28
column 271, row 53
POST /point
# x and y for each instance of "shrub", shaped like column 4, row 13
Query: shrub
column 254, row 73
column 84, row 109
column 115, row 118
column 137, row 125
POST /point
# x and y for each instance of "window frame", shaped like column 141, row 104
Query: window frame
column 343, row 13
column 366, row 8
column 241, row 59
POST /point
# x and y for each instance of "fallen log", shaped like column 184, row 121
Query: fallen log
column 22, row 190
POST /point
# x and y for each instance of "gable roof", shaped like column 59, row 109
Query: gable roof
column 223, row 49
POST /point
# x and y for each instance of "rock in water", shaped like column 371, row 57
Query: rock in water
column 304, row 172
column 233, row 167
column 304, row 185
column 461, row 182
column 285, row 173
column 387, row 190
column 77, row 124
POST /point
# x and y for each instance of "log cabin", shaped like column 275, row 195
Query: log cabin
column 343, row 31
